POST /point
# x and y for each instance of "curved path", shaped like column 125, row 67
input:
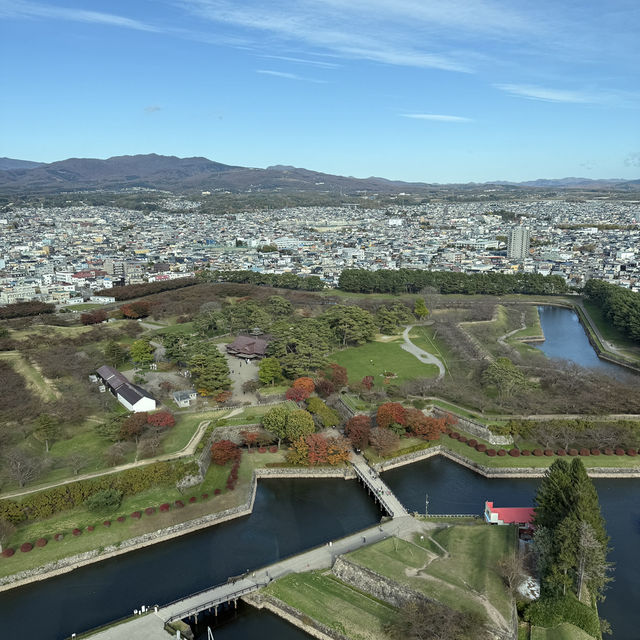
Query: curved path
column 421, row 354
column 502, row 340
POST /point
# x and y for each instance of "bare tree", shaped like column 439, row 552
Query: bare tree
column 76, row 461
column 511, row 570
column 6, row 531
column 21, row 466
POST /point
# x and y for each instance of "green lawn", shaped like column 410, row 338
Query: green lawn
column 88, row 306
column 472, row 554
column 275, row 390
column 564, row 631
column 376, row 358
column 80, row 517
column 533, row 327
column 328, row 600
column 186, row 328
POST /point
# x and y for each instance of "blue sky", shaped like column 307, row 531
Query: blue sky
column 421, row 90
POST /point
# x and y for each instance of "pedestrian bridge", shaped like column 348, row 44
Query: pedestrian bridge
column 378, row 488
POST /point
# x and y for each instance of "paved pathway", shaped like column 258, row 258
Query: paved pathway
column 421, row 354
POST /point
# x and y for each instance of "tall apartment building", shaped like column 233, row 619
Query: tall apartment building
column 518, row 243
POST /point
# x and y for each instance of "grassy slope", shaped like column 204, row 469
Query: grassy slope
column 474, row 552
column 81, row 517
column 326, row 599
column 375, row 358
column 35, row 382
column 563, row 631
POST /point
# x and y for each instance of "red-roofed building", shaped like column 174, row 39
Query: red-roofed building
column 521, row 516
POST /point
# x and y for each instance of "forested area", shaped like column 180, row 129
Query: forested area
column 282, row 280
column 414, row 281
column 621, row 307
column 25, row 309
column 129, row 291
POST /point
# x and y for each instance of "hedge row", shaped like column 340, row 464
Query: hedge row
column 515, row 453
column 25, row 547
column 44, row 504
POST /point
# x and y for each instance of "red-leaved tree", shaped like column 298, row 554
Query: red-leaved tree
column 338, row 375
column 318, row 448
column 367, row 382
column 135, row 310
column 304, row 383
column 249, row 438
column 133, row 426
column 297, row 394
column 357, row 430
column 391, row 413
column 161, row 419
column 324, row 387
column 224, row 451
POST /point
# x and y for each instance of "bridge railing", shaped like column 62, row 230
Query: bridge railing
column 367, row 481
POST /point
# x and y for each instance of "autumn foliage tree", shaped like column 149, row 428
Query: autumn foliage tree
column 249, row 438
column 338, row 375
column 425, row 427
column 304, row 383
column 383, row 440
column 367, row 382
column 95, row 317
column 135, row 310
column 358, row 430
column 224, row 451
column 391, row 413
column 316, row 449
column 133, row 426
column 161, row 419
column 297, row 394
column 324, row 387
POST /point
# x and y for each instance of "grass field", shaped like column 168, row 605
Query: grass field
column 80, row 517
column 456, row 565
column 532, row 321
column 328, row 600
column 252, row 415
column 186, row 328
column 88, row 306
column 563, row 631
column 34, row 379
column 376, row 358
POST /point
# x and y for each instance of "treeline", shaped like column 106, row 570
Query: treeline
column 281, row 280
column 44, row 504
column 24, row 309
column 413, row 281
column 621, row 307
column 138, row 290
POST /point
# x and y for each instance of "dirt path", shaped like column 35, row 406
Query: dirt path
column 188, row 450
column 503, row 339
column 421, row 354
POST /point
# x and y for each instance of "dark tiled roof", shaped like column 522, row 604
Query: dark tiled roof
column 112, row 377
column 248, row 345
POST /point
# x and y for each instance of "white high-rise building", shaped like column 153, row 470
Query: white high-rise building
column 518, row 243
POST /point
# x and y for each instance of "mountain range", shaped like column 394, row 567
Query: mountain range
column 171, row 173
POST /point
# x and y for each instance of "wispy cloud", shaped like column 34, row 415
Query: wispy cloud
column 288, row 76
column 314, row 63
column 632, row 160
column 152, row 108
column 21, row 9
column 533, row 92
column 436, row 117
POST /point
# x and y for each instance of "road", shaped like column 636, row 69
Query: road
column 421, row 354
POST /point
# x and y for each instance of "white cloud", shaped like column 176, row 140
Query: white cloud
column 152, row 108
column 533, row 92
column 435, row 117
column 315, row 63
column 21, row 9
column 288, row 76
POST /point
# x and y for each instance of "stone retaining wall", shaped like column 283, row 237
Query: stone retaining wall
column 298, row 619
column 476, row 429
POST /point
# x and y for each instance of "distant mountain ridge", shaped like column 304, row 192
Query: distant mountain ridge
column 189, row 174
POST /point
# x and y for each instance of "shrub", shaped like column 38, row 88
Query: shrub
column 262, row 449
column 120, row 518
column 632, row 452
column 179, row 504
column 8, row 552
column 608, row 452
column 165, row 506
column 25, row 547
column 561, row 452
column 472, row 442
column 104, row 501
column 204, row 496
column 619, row 452
column 90, row 527
column 548, row 452
column 481, row 447
column 107, row 523
column 217, row 492
column 515, row 453
column 150, row 511
column 455, row 435
column 537, row 452
column 41, row 542
column 548, row 612
column 60, row 536
column 491, row 452
column 463, row 439
column 584, row 452
column 525, row 452
column 502, row 452
column 572, row 452
column 136, row 515
column 192, row 499
column 273, row 449
column 76, row 532
column 595, row 452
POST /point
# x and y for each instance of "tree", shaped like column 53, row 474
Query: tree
column 142, row 352
column 149, row 445
column 275, row 422
column 22, row 467
column 7, row 529
column 162, row 419
column 383, row 440
column 338, row 450
column 48, row 429
column 324, row 387
column 296, row 394
column 269, row 371
column 223, row 396
column 299, row 424
column 133, row 426
column 210, row 371
column 278, row 306
column 358, row 430
column 114, row 354
column 338, row 375
column 511, row 569
column 505, row 376
column 139, row 309
column 224, row 451
column 304, row 383
column 249, row 438
column 391, row 413
column 318, row 449
column 351, row 324
column 106, row 501
column 420, row 309
column 367, row 382
column 76, row 461
column 423, row 426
